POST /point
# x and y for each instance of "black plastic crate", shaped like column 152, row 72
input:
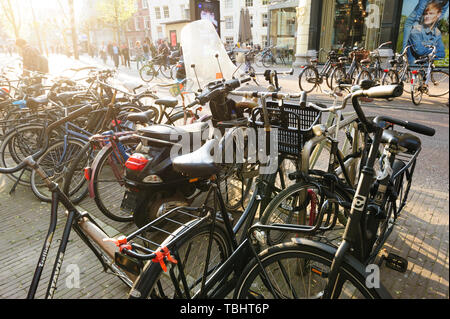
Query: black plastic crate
column 293, row 123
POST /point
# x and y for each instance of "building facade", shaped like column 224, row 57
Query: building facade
column 138, row 27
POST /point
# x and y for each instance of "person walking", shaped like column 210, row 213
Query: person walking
column 139, row 52
column 32, row 59
column 126, row 55
column 103, row 50
column 116, row 55
column 146, row 49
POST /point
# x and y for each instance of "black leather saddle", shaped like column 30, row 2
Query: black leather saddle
column 174, row 134
column 405, row 140
column 168, row 102
column 198, row 164
column 141, row 117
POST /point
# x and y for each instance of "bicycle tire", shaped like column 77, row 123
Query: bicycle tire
column 147, row 73
column 390, row 77
column 316, row 192
column 62, row 152
column 308, row 79
column 363, row 75
column 152, row 280
column 309, row 261
column 438, row 84
column 416, row 89
column 84, row 159
column 165, row 71
column 267, row 60
column 337, row 75
column 177, row 117
column 110, row 205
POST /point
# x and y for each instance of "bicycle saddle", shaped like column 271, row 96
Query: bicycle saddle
column 168, row 102
column 170, row 133
column 421, row 61
column 37, row 101
column 365, row 61
column 405, row 140
column 199, row 163
column 141, row 117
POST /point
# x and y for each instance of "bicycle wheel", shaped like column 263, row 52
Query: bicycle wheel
column 55, row 162
column 258, row 61
column 19, row 143
column 308, row 79
column 337, row 76
column 390, row 77
column 267, row 60
column 300, row 204
column 438, row 84
column 165, row 71
column 147, row 72
column 178, row 119
column 107, row 180
column 190, row 252
column 363, row 75
column 417, row 88
column 75, row 182
column 300, row 271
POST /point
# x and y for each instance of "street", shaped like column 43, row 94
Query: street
column 421, row 234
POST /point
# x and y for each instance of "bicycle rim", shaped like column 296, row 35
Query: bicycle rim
column 438, row 84
column 146, row 73
column 308, row 79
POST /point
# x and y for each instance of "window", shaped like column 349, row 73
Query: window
column 136, row 23
column 228, row 4
column 264, row 41
column 160, row 32
column 158, row 13
column 249, row 3
column 229, row 41
column 144, row 4
column 228, row 22
column 251, row 21
column 265, row 2
column 265, row 19
column 166, row 11
column 147, row 23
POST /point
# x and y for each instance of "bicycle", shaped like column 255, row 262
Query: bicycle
column 373, row 72
column 430, row 81
column 153, row 68
column 211, row 239
column 399, row 72
column 333, row 269
column 310, row 78
column 341, row 75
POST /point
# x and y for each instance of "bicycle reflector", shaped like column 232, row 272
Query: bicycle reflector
column 87, row 173
column 414, row 72
column 386, row 70
column 136, row 162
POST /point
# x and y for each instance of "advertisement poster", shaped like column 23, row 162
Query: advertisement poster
column 210, row 10
column 425, row 22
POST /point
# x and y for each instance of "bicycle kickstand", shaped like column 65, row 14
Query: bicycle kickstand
column 13, row 188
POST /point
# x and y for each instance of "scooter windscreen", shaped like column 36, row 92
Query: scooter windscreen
column 201, row 43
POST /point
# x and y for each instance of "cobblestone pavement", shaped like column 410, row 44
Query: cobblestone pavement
column 421, row 236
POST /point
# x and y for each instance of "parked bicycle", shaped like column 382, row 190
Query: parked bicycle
column 427, row 79
column 152, row 68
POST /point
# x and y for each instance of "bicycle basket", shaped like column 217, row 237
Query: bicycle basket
column 293, row 123
column 360, row 54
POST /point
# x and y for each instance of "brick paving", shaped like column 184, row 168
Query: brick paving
column 421, row 235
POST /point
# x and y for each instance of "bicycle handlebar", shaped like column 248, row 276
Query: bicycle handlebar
column 415, row 127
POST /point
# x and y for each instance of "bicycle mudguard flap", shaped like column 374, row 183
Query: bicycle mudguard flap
column 127, row 263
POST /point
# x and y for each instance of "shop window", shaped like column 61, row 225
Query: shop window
column 249, row 3
column 229, row 23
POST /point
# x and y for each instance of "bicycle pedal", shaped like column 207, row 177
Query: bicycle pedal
column 396, row 262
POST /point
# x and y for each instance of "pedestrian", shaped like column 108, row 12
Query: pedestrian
column 164, row 51
column 110, row 50
column 32, row 59
column 103, row 51
column 153, row 49
column 146, row 49
column 139, row 53
column 116, row 55
column 126, row 55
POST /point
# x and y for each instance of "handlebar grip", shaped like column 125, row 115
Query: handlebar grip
column 248, row 79
column 419, row 128
column 303, row 98
column 415, row 127
column 384, row 91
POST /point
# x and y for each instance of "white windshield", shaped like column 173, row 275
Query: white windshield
column 200, row 43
